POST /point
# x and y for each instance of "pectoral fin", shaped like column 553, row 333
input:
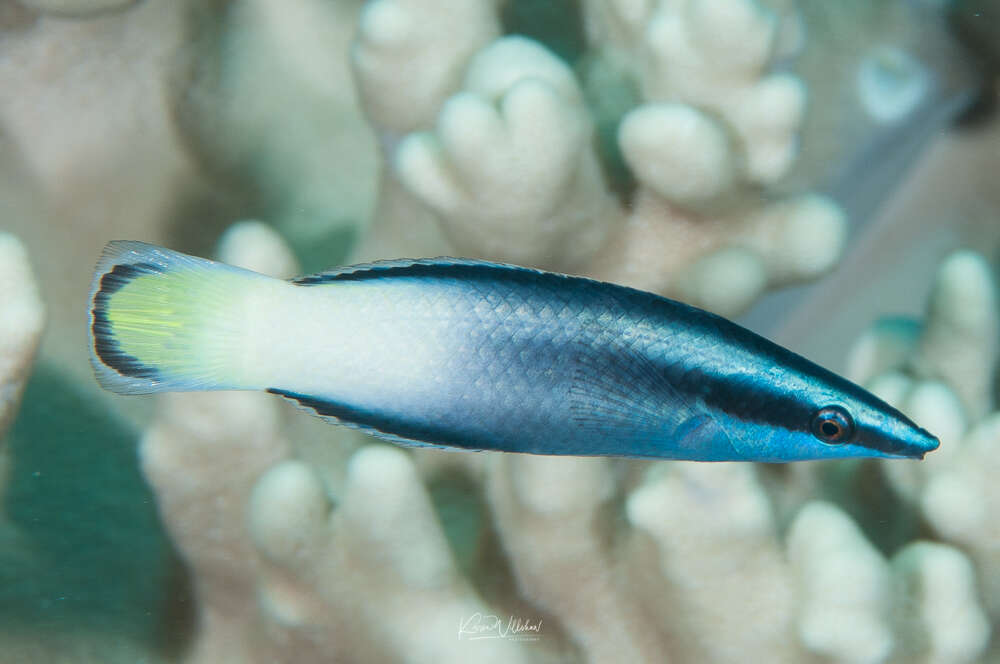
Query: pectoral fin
column 627, row 400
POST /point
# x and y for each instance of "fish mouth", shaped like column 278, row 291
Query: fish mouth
column 929, row 443
column 904, row 442
column 916, row 445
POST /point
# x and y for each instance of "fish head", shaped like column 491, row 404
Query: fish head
column 828, row 417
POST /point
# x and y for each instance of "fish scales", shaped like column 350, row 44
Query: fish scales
column 473, row 355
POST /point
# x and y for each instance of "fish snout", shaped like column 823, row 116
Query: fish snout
column 916, row 442
column 928, row 442
column 901, row 438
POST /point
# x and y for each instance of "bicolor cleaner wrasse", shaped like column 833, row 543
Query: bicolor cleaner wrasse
column 473, row 355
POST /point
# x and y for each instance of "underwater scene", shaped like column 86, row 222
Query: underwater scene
column 657, row 485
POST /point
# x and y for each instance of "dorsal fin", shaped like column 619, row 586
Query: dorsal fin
column 410, row 265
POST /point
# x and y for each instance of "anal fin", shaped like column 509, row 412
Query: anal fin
column 353, row 418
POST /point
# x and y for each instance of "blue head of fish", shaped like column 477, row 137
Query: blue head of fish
column 824, row 417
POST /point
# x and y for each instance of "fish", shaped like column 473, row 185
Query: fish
column 472, row 355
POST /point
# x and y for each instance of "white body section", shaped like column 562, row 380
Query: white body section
column 363, row 342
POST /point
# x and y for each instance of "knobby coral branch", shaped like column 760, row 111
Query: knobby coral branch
column 22, row 316
column 502, row 155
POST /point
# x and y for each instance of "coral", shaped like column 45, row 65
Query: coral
column 843, row 621
column 417, row 49
column 714, row 535
column 714, row 55
column 167, row 120
column 234, row 113
column 919, row 606
column 943, row 621
column 506, row 150
column 22, row 316
column 715, row 115
column 392, row 36
column 940, row 372
column 509, row 167
column 549, row 512
column 76, row 8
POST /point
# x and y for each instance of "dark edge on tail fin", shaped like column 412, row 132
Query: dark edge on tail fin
column 105, row 344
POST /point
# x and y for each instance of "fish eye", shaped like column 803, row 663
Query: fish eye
column 832, row 425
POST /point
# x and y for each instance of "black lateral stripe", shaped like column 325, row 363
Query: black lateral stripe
column 749, row 399
column 105, row 345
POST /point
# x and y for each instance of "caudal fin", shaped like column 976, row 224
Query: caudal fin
column 162, row 321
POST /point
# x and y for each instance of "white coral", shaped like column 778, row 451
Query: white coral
column 509, row 167
column 715, row 536
column 410, row 54
column 945, row 622
column 844, row 587
column 713, row 54
column 714, row 123
column 941, row 377
column 549, row 511
column 856, row 606
column 703, row 164
column 960, row 343
column 22, row 316
column 503, row 160
column 76, row 8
